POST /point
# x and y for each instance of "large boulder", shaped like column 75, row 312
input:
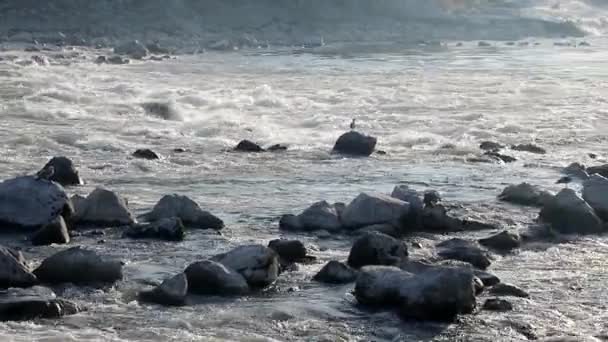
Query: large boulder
column 212, row 278
column 30, row 203
column 169, row 229
column 185, row 209
column 319, row 216
column 259, row 265
column 13, row 270
column 504, row 241
column 595, row 192
column 576, row 170
column 463, row 250
column 133, row 49
column 34, row 303
column 355, row 144
column 64, row 171
column 172, row 291
column 145, row 153
column 368, row 209
column 411, row 196
column 437, row 294
column 79, row 266
column 248, row 146
column 54, row 232
column 289, row 250
column 335, row 272
column 525, row 194
column 376, row 249
column 103, row 207
column 601, row 170
column 567, row 213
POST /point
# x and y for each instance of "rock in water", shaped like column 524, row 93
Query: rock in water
column 212, row 278
column 463, row 250
column 411, row 196
column 54, row 232
column 376, row 249
column 248, row 146
column 13, row 270
column 569, row 214
column 335, row 272
column 437, row 294
column 185, row 209
column 601, row 170
column 65, row 172
column 500, row 157
column 164, row 111
column 288, row 250
column 355, row 144
column 497, row 304
column 595, row 192
column 34, row 303
column 79, row 266
column 525, row 194
column 529, row 148
column 490, row 146
column 133, row 49
column 145, row 153
column 258, row 264
column 103, row 208
column 370, row 209
column 508, row 290
column 276, row 147
column 576, row 170
column 28, row 203
column 319, row 216
column 504, row 241
column 169, row 229
column 172, row 291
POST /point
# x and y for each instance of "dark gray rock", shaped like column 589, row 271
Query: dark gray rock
column 258, row 264
column 369, row 209
column 525, row 194
column 105, row 208
column 289, row 250
column 187, row 210
column 384, row 228
column 601, row 170
column 576, row 170
column 335, row 272
column 13, row 270
column 490, row 146
column 529, row 148
column 169, row 229
column 355, row 144
column 595, row 193
column 497, row 304
column 500, row 157
column 65, row 172
column 117, row 60
column 212, row 278
column 172, row 292
column 463, row 250
column 54, row 232
column 504, row 241
column 411, row 196
column 376, row 249
column 248, row 146
column 567, row 213
column 508, row 290
column 145, row 153
column 431, row 198
column 277, row 147
column 79, row 266
column 34, row 303
column 319, row 216
column 488, row 279
column 162, row 110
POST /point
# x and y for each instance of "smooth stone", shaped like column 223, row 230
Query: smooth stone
column 259, row 265
column 169, row 229
column 172, row 292
column 497, row 304
column 212, row 278
column 145, row 153
column 529, row 148
column 34, row 303
column 103, row 207
column 576, row 170
column 490, row 146
column 376, row 249
column 335, row 272
column 320, row 216
column 567, row 213
column 187, row 210
column 504, row 241
column 248, row 146
column 411, row 196
column 525, row 194
column 595, row 193
column 369, row 209
column 355, row 144
column 54, row 232
column 65, row 173
column 508, row 290
column 289, row 250
column 463, row 250
column 601, row 170
column 14, row 271
column 277, row 147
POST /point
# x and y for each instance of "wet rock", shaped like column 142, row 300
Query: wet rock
column 483, row 44
column 437, row 294
column 376, row 249
column 576, row 170
column 101, row 60
column 156, row 48
column 258, row 264
column 508, row 290
column 162, row 110
column 248, row 146
column 497, row 304
column 30, row 203
column 411, row 196
column 145, row 153
column 179, row 150
column 105, row 208
column 601, row 170
column 13, row 270
column 277, row 147
column 384, row 228
column 289, row 250
column 64, row 171
column 525, row 194
column 488, row 279
column 433, row 219
column 595, row 193
column 463, row 250
column 34, row 303
column 501, row 157
column 117, row 60
column 212, row 278
column 431, row 198
column 133, row 49
column 319, row 216
column 504, row 241
column 187, row 210
column 79, row 266
column 567, row 213
column 529, row 148
column 369, row 209
column 172, row 292
column 335, row 272
column 54, row 232
column 355, row 144
column 168, row 229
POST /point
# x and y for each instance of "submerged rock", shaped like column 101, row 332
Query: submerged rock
column 289, row 250
column 258, row 264
column 103, row 207
column 525, row 194
column 34, row 303
column 355, row 144
column 169, row 229
column 463, row 250
column 172, row 291
column 529, row 148
column 145, row 153
column 595, row 192
column 497, row 304
column 376, row 249
column 187, row 210
column 500, row 157
column 369, row 209
column 54, row 232
column 13, row 270
column 133, row 49
column 569, row 214
column 277, row 147
column 576, row 170
column 504, row 241
column 508, row 290
column 64, row 171
column 79, row 266
column 248, row 146
column 30, row 203
column 162, row 110
column 212, row 278
column 335, row 272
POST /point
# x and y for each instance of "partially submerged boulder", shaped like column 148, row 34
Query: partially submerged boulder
column 289, row 250
column 368, row 209
column 13, row 270
column 133, row 49
column 355, row 144
column 576, row 170
column 529, row 148
column 497, row 304
column 595, row 193
column 490, row 146
column 504, row 241
column 248, row 146
column 64, row 171
column 172, row 292
column 145, row 153
column 259, row 265
column 163, row 110
column 463, row 250
column 601, row 170
column 500, row 157
column 411, row 196
column 212, row 278
column 567, row 213
column 335, row 272
column 79, row 266
column 503, row 289
column 525, row 194
column 103, row 207
column 187, row 210
column 34, row 303
column 54, row 232
column 168, row 229
column 319, row 216
column 376, row 249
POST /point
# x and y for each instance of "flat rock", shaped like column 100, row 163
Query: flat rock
column 168, row 229
column 103, row 207
column 567, row 213
column 79, row 266
column 525, row 194
column 595, row 193
column 376, row 249
column 187, row 210
column 212, row 278
column 355, row 144
column 529, row 148
column 13, row 270
column 369, row 209
column 145, row 153
column 289, row 250
column 172, row 292
column 259, row 265
column 508, row 290
column 504, row 241
column 497, row 304
column 276, row 147
column 54, row 232
column 65, row 172
column 335, row 272
column 463, row 250
column 34, row 303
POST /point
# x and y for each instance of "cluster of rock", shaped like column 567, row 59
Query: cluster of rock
column 493, row 151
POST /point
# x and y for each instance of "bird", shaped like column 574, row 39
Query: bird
column 353, row 124
column 46, row 173
column 564, row 180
